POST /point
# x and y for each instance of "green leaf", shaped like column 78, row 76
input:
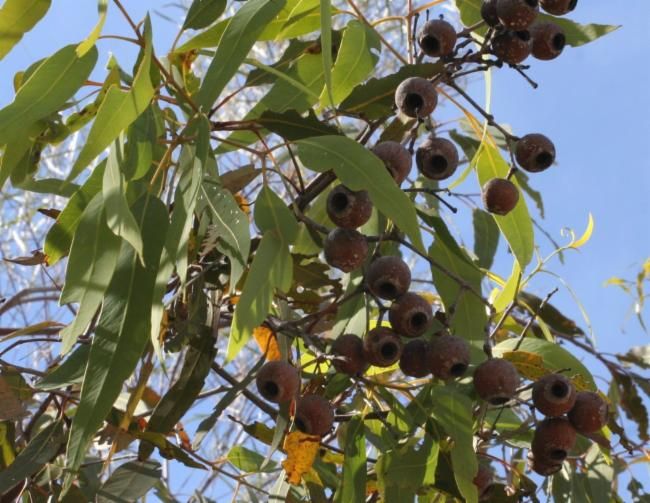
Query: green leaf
column 238, row 38
column 555, row 357
column 355, row 60
column 93, row 257
column 48, row 88
column 376, row 98
column 359, row 169
column 59, row 238
column 119, row 218
column 509, row 290
column 130, row 481
column 17, row 17
column 203, row 13
column 579, row 34
column 70, row 372
column 454, row 412
column 292, row 126
column 600, row 476
column 141, row 142
column 516, row 226
column 272, row 214
column 248, row 461
column 353, row 480
column 118, row 110
column 122, row 330
column 89, row 43
column 408, row 468
column 470, row 318
column 272, row 269
column 486, row 237
column 40, row 451
column 326, row 46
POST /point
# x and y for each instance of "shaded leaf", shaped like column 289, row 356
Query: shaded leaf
column 130, row 481
column 353, row 479
column 408, row 468
column 12, row 408
column 486, row 237
column 203, row 13
column 68, row 373
column 17, row 17
column 239, row 178
column 272, row 214
column 293, row 127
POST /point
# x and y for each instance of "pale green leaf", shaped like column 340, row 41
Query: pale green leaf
column 272, row 214
column 129, row 482
column 86, row 45
column 17, row 17
column 353, row 480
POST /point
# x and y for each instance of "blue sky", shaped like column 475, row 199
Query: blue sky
column 594, row 102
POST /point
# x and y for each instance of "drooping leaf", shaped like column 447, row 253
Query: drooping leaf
column 118, row 110
column 47, row 89
column 59, row 238
column 293, row 127
column 17, row 17
column 122, row 330
column 454, row 413
column 272, row 214
column 359, row 169
column 238, row 38
column 555, row 357
column 42, row 448
column 141, row 143
column 516, row 226
column 89, row 43
column 203, row 13
column 130, row 481
column 353, row 480
column 486, row 237
column 509, row 290
column 68, row 373
column 93, row 257
column 579, row 34
column 355, row 60
column 376, row 98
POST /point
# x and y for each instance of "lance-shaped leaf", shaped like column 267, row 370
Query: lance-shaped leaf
column 118, row 110
column 46, row 90
column 293, row 127
column 17, row 17
column 203, row 13
column 579, row 34
column 486, row 237
column 355, row 472
column 454, row 413
column 119, row 218
column 516, row 226
column 86, row 45
column 40, row 451
column 355, row 60
column 407, row 468
column 122, row 331
column 70, row 372
column 59, row 238
column 130, row 481
column 359, row 169
column 237, row 40
column 271, row 214
column 93, row 257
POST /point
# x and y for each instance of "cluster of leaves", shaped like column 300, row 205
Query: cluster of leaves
column 164, row 260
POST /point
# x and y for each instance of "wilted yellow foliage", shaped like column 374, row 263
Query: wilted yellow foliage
column 301, row 452
column 268, row 343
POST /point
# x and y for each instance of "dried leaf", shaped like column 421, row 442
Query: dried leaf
column 12, row 408
column 50, row 212
column 301, row 452
column 37, row 258
column 268, row 343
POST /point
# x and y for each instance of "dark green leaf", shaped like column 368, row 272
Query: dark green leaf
column 359, row 169
column 238, row 38
column 376, row 97
column 122, row 330
column 139, row 149
column 486, row 237
column 353, row 480
column 272, row 214
column 42, row 448
column 408, row 468
column 130, row 481
column 293, row 127
column 68, row 373
column 17, row 17
column 203, row 13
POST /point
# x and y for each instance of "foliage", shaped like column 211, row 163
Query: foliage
column 191, row 233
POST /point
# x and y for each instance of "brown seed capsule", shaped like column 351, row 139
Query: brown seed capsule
column 548, row 40
column 535, row 152
column 437, row 38
column 410, row 315
column 396, row 159
column 590, row 412
column 554, row 395
column 314, row 415
column 347, row 208
column 483, row 481
column 553, row 439
column 414, row 361
column 278, row 381
column 500, row 196
column 449, row 356
column 388, row 277
column 382, row 347
column 349, row 347
column 513, row 47
column 416, row 97
column 437, row 158
column 496, row 381
column 558, row 7
column 517, row 14
column 489, row 13
column 545, row 468
column 345, row 249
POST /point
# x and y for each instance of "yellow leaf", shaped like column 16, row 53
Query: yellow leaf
column 301, row 452
column 243, row 203
column 268, row 343
column 586, row 235
column 531, row 366
column 335, row 458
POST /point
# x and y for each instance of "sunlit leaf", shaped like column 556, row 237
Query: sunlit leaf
column 130, row 481
column 86, row 45
column 301, row 452
column 17, row 17
column 353, row 480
